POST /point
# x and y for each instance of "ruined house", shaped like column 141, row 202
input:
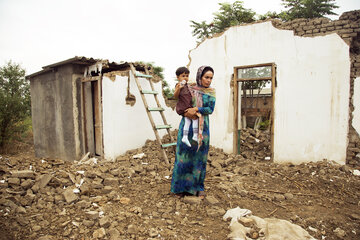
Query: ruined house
column 313, row 67
column 314, row 70
column 85, row 105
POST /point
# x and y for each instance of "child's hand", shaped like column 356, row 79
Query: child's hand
column 182, row 83
column 178, row 86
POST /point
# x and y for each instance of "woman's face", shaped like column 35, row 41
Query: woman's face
column 207, row 78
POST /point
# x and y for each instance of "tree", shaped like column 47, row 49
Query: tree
column 232, row 15
column 235, row 14
column 14, row 100
column 308, row 8
column 201, row 30
column 157, row 72
column 228, row 15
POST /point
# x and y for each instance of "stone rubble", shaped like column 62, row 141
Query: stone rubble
column 129, row 198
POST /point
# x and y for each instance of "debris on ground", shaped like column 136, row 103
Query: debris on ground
column 129, row 198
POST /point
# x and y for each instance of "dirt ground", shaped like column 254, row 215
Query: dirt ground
column 130, row 198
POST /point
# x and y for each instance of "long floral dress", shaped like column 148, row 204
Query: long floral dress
column 190, row 162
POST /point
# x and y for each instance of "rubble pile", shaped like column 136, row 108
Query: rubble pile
column 129, row 198
column 255, row 144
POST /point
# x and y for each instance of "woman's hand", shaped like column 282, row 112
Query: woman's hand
column 191, row 113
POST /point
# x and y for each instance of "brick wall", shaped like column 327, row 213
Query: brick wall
column 348, row 28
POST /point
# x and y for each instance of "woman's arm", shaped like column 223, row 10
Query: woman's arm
column 191, row 113
column 209, row 108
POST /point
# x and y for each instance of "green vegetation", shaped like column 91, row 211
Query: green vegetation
column 228, row 15
column 235, row 14
column 158, row 71
column 264, row 125
column 15, row 110
column 168, row 92
column 308, row 8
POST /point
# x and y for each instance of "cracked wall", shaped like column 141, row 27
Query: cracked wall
column 315, row 76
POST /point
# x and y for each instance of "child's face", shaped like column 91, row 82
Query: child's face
column 183, row 76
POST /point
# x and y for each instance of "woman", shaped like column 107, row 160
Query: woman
column 190, row 162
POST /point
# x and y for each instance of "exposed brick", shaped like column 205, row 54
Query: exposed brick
column 322, row 29
column 340, row 22
column 309, row 27
column 301, row 33
column 347, row 35
column 318, row 21
column 347, row 40
column 328, row 24
column 345, row 31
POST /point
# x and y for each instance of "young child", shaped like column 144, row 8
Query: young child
column 182, row 92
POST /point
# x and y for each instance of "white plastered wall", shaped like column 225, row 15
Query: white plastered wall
column 127, row 127
column 356, row 103
column 312, row 94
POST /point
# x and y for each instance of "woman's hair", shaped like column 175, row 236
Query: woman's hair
column 181, row 70
column 205, row 70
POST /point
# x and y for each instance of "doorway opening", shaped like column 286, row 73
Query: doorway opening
column 92, row 115
column 254, row 87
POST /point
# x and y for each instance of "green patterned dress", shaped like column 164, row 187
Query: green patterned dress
column 190, row 162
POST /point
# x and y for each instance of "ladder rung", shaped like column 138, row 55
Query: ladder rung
column 143, row 75
column 149, row 92
column 162, row 126
column 168, row 145
column 155, row 109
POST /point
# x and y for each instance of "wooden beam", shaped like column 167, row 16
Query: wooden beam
column 254, row 79
column 273, row 82
column 101, row 114
column 254, row 65
column 255, row 112
column 236, row 112
column 83, row 119
column 89, row 79
column 236, row 100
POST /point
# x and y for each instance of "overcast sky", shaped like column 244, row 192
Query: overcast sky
column 36, row 33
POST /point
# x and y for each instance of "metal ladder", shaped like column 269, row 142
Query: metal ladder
column 153, row 109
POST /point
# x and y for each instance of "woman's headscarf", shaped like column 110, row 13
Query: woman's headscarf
column 197, row 92
column 201, row 72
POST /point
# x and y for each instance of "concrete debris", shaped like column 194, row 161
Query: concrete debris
column 340, row 233
column 130, row 198
column 139, row 156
